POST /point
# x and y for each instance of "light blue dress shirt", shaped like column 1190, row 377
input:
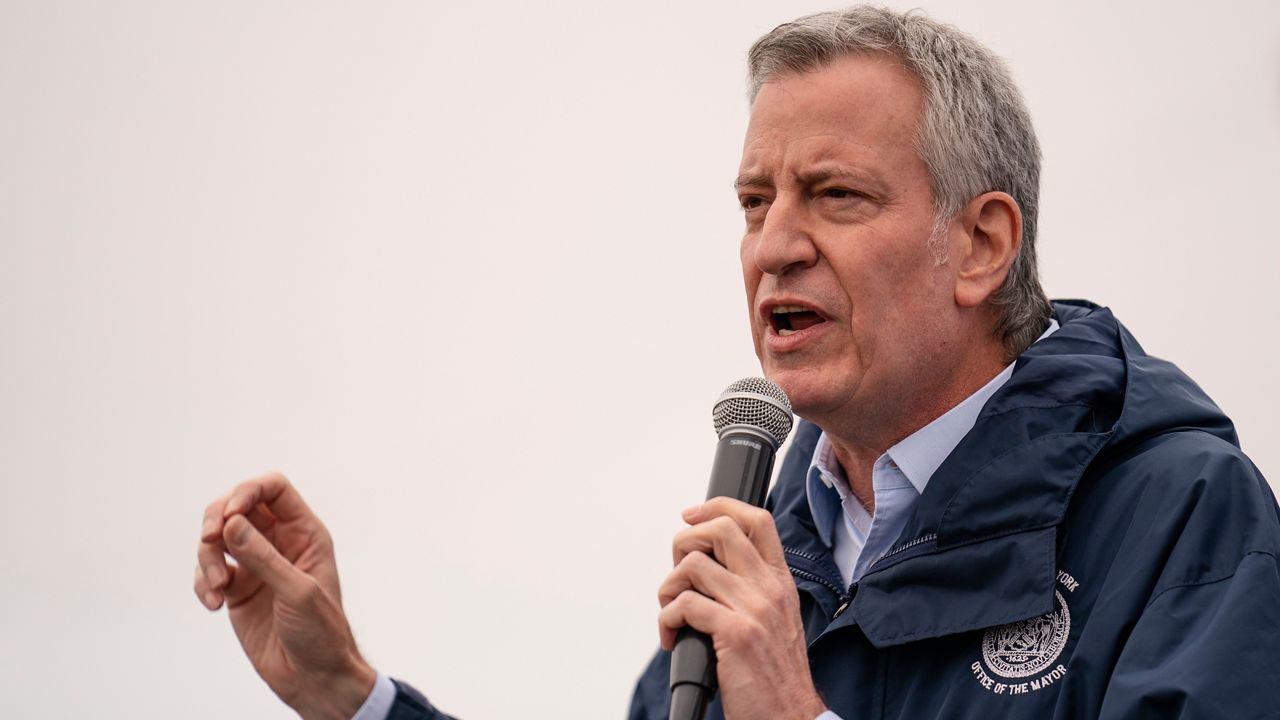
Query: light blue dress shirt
column 856, row 537
column 378, row 705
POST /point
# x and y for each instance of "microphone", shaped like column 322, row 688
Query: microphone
column 752, row 418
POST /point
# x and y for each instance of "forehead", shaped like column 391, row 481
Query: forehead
column 860, row 109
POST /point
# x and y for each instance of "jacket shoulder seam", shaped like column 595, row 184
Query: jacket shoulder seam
column 1210, row 580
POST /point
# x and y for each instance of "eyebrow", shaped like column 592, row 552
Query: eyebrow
column 812, row 176
column 752, row 180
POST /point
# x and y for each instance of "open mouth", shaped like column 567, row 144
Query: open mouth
column 788, row 319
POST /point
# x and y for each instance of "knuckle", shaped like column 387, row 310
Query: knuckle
column 697, row 561
column 687, row 541
column 246, row 487
column 272, row 481
column 206, row 556
column 723, row 525
column 719, row 504
column 669, row 616
column 758, row 518
column 686, row 598
column 667, row 590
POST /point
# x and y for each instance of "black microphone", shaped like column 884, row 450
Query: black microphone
column 752, row 418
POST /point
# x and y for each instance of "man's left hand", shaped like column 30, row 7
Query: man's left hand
column 731, row 582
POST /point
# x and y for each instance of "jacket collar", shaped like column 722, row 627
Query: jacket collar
column 980, row 548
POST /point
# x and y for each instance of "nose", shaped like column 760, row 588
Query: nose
column 784, row 242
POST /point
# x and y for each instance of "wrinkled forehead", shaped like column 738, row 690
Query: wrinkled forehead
column 856, row 107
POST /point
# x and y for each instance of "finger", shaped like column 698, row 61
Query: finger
column 209, row 551
column 693, row 610
column 757, row 523
column 257, row 555
column 698, row 572
column 211, row 525
column 263, row 520
column 208, row 597
column 722, row 538
column 212, row 564
column 241, row 586
column 272, row 490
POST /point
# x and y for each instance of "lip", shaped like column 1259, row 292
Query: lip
column 800, row 338
column 776, row 343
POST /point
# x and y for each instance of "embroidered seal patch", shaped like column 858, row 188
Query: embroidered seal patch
column 1025, row 648
column 1022, row 657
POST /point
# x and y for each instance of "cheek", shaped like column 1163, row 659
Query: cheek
column 746, row 255
column 751, row 277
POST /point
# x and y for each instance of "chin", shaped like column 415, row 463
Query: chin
column 812, row 393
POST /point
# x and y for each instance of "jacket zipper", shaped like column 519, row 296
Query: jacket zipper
column 845, row 596
column 853, row 589
column 820, row 580
column 813, row 576
column 902, row 548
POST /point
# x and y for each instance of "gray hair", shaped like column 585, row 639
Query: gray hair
column 975, row 133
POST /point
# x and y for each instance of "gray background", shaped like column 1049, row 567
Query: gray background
column 468, row 275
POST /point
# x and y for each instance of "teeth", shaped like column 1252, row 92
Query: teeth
column 779, row 310
column 785, row 332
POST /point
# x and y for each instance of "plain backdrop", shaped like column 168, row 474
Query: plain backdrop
column 468, row 274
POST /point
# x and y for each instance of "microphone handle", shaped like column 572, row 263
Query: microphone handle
column 742, row 468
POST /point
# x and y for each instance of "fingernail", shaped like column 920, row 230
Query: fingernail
column 210, row 529
column 214, row 575
column 210, row 600
column 240, row 531
column 692, row 509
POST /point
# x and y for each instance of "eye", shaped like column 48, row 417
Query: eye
column 751, row 202
column 838, row 193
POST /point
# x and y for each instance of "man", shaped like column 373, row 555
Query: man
column 996, row 507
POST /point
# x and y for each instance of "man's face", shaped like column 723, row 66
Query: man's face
column 849, row 309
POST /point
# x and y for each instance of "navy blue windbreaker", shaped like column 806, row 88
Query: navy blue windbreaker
column 1097, row 546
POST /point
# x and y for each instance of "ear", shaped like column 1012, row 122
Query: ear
column 991, row 226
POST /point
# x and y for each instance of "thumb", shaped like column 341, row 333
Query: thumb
column 257, row 555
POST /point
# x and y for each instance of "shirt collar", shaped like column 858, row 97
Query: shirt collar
column 820, row 482
column 918, row 455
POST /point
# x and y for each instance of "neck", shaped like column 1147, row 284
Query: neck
column 859, row 436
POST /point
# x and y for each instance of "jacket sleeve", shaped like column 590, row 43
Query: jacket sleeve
column 1204, row 650
column 411, row 705
column 652, row 697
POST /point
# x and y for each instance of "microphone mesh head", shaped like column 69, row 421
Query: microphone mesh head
column 756, row 402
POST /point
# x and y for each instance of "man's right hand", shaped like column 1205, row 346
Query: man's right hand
column 282, row 596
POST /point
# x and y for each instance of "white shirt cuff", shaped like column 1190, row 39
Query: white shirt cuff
column 378, row 705
column 828, row 715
